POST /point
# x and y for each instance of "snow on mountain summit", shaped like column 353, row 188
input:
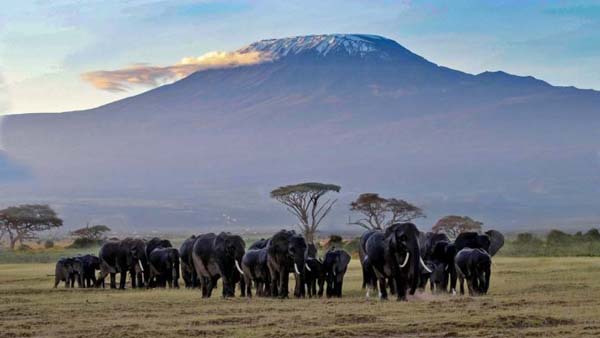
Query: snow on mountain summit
column 348, row 44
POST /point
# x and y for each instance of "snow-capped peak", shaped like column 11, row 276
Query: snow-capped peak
column 350, row 44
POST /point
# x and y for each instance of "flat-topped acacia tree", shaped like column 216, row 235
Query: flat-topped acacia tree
column 379, row 212
column 304, row 201
column 454, row 225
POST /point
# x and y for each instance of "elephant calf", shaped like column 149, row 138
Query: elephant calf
column 85, row 268
column 64, row 272
column 335, row 265
column 474, row 265
column 164, row 267
column 254, row 266
column 314, row 274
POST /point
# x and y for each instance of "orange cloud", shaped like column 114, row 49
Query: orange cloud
column 147, row 75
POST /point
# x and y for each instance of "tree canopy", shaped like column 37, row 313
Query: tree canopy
column 24, row 221
column 303, row 201
column 94, row 232
column 454, row 225
column 379, row 212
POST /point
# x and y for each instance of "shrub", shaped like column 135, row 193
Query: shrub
column 48, row 244
column 83, row 242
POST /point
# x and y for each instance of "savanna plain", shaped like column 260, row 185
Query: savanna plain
column 529, row 297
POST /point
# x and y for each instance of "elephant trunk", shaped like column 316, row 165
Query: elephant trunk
column 415, row 269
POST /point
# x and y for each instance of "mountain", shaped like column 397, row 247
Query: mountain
column 360, row 111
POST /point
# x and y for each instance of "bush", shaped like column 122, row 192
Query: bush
column 83, row 242
column 24, row 247
column 49, row 244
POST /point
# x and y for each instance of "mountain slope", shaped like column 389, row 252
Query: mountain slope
column 357, row 110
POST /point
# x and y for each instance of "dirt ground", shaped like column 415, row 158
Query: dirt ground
column 529, row 297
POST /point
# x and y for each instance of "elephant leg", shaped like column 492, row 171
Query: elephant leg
column 274, row 282
column 56, row 282
column 462, row 285
column 321, row 282
column 470, row 286
column 283, row 284
column 400, row 288
column 140, row 280
column 382, row 289
column 122, row 280
column 339, row 288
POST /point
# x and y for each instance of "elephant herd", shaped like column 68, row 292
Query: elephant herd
column 402, row 259
column 206, row 258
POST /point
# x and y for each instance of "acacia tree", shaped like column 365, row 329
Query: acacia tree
column 24, row 221
column 91, row 233
column 379, row 212
column 454, row 225
column 304, row 201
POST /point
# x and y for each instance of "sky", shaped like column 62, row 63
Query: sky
column 51, row 51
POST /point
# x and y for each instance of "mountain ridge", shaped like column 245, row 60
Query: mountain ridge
column 504, row 149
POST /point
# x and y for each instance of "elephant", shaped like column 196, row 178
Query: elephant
column 188, row 272
column 369, row 278
column 86, row 267
column 164, row 267
column 475, row 266
column 472, row 240
column 64, row 272
column 314, row 275
column 395, row 255
column 157, row 243
column 260, row 244
column 444, row 271
column 127, row 255
column 427, row 242
column 219, row 256
column 285, row 253
column 496, row 241
column 335, row 264
column 255, row 268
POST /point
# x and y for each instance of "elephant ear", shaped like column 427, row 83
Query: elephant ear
column 496, row 241
column 344, row 259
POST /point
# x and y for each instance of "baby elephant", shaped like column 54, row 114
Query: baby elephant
column 164, row 267
column 474, row 265
column 335, row 264
column 64, row 272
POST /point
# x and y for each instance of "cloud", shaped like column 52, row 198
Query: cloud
column 148, row 75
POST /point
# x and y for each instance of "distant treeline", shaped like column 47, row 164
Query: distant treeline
column 555, row 243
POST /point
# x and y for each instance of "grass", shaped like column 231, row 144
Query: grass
column 529, row 297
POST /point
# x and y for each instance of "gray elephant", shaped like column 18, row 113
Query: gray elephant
column 85, row 267
column 164, row 267
column 127, row 255
column 64, row 272
column 188, row 272
column 219, row 256
column 394, row 255
column 314, row 275
column 286, row 254
column 475, row 266
column 335, row 264
column 256, row 271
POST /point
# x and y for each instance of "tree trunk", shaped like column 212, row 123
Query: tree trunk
column 309, row 235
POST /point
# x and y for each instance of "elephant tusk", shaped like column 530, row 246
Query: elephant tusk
column 405, row 260
column 237, row 265
column 424, row 266
column 296, row 268
column 447, row 266
column 306, row 266
column 141, row 266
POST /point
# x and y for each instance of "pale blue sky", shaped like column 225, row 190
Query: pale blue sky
column 46, row 45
